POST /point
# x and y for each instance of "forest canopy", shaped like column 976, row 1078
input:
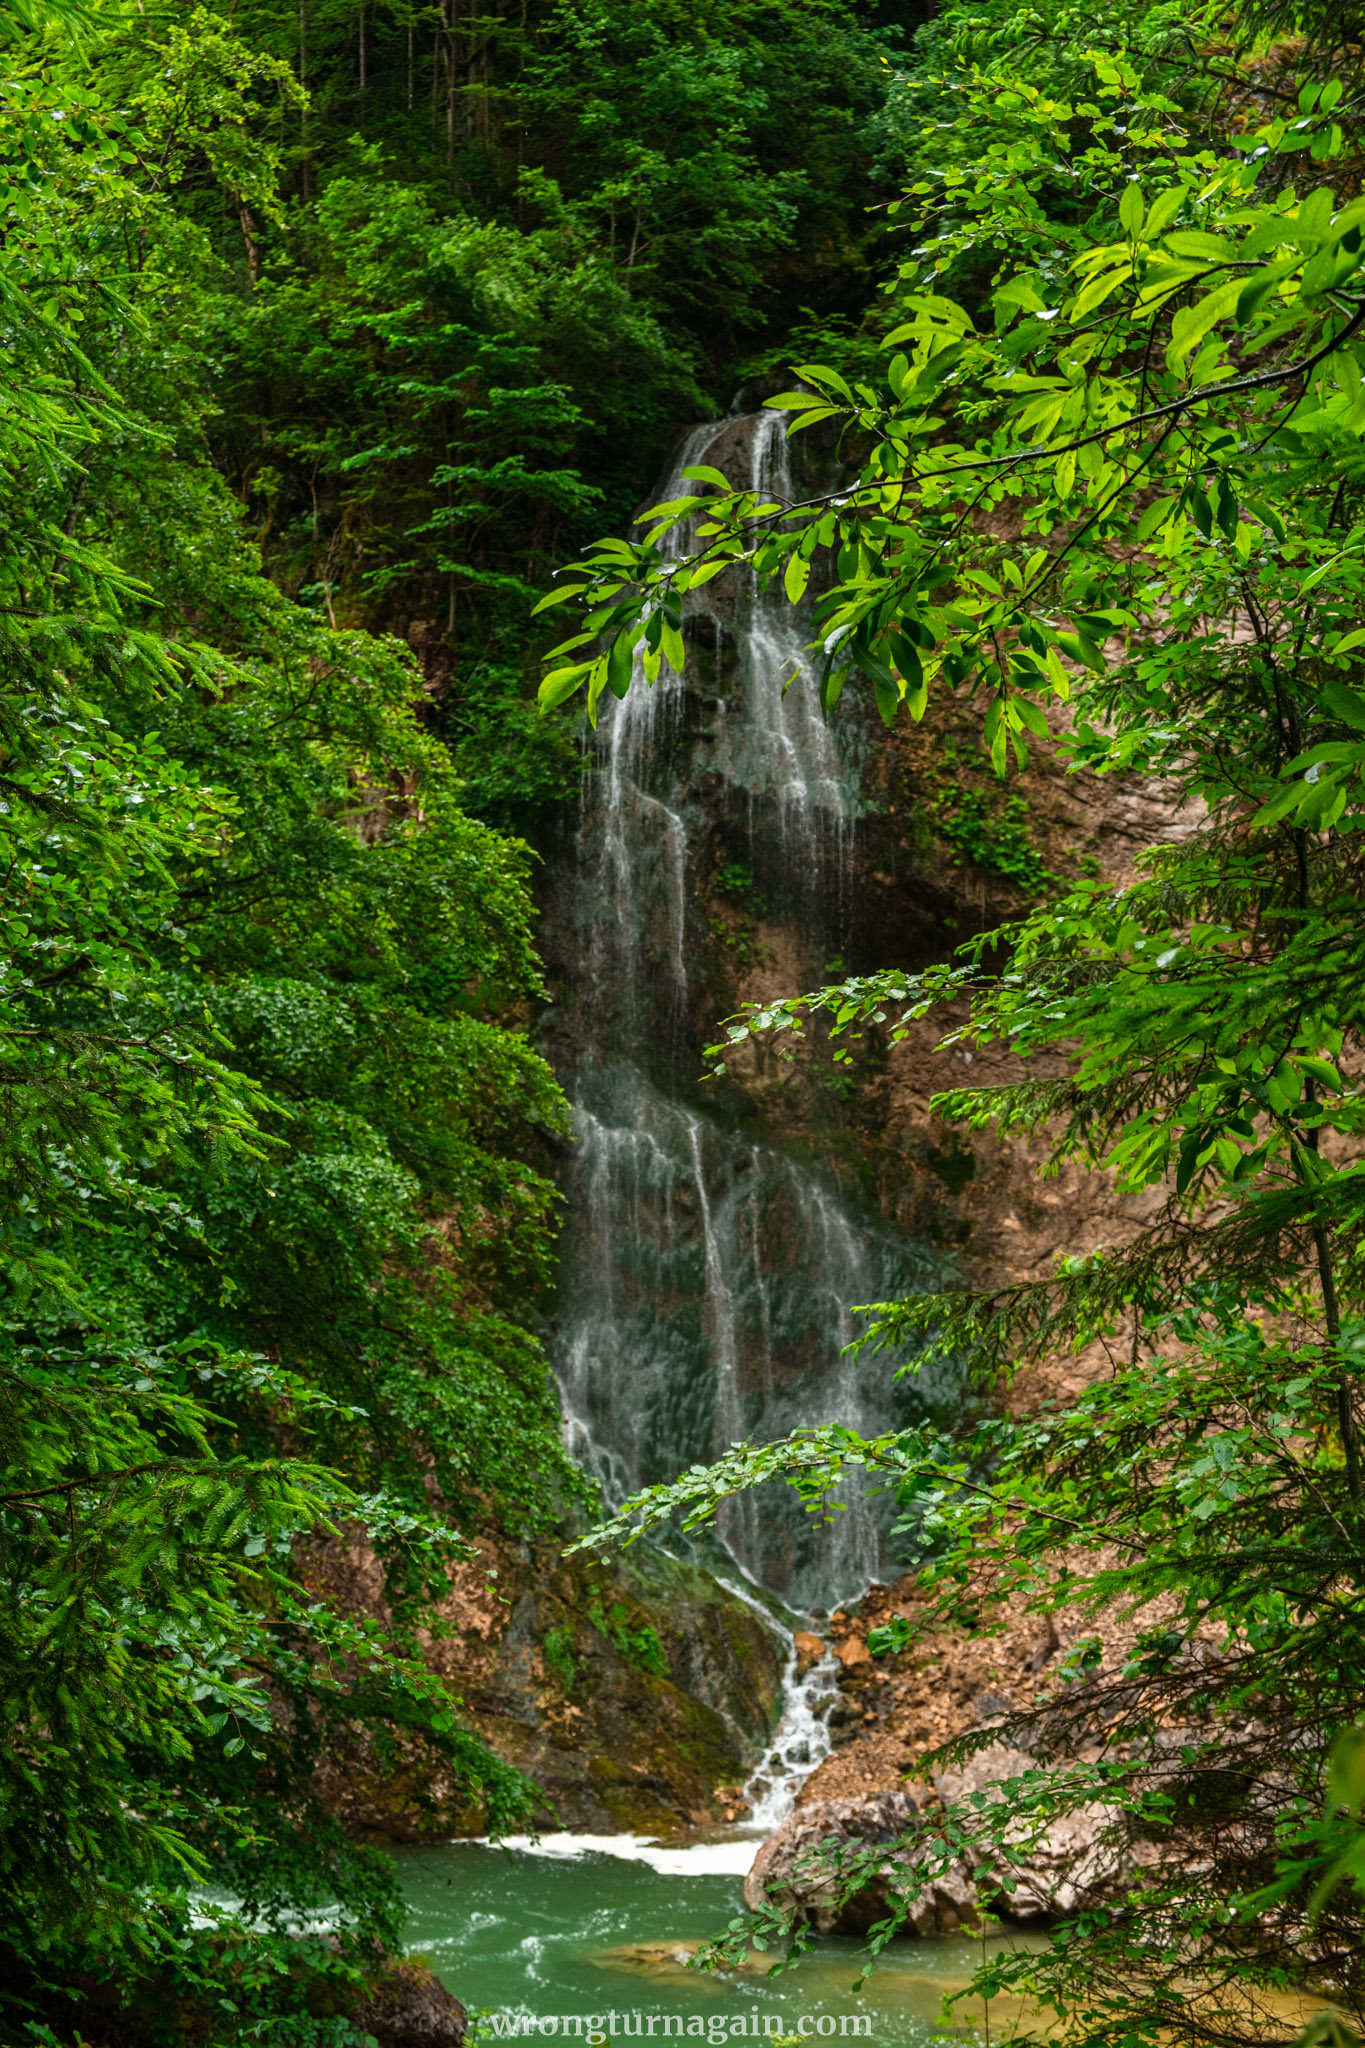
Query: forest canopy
column 263, row 975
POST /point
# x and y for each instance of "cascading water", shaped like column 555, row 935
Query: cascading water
column 709, row 1276
column 799, row 1743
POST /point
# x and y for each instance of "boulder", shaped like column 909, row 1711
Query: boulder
column 411, row 2008
column 785, row 1874
column 1082, row 1856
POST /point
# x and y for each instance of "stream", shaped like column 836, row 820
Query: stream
column 596, row 1926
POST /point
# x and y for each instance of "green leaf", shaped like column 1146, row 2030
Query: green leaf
column 793, row 401
column 1083, row 650
column 1322, row 803
column 1192, row 323
column 561, row 685
column 1191, row 1145
column 1346, row 704
column 1279, row 806
column 1346, row 1771
column 621, row 662
column 597, row 682
column 814, row 416
column 1259, row 285
column 1226, row 505
column 820, row 375
column 1164, row 209
column 1193, row 243
column 560, row 595
column 1199, row 509
column 673, row 647
column 905, row 655
column 1098, row 290
column 1157, row 514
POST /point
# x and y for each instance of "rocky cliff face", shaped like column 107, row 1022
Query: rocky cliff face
column 891, row 1712
column 926, row 882
column 636, row 1694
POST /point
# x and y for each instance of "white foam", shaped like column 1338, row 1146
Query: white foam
column 685, row 1859
column 799, row 1743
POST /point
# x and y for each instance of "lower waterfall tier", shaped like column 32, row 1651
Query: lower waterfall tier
column 715, row 1284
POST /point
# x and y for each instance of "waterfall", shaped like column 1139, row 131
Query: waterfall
column 709, row 1274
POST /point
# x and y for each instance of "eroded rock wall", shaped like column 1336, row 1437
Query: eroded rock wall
column 636, row 1694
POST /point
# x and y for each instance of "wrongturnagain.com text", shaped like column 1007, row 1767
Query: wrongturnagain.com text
column 713, row 2028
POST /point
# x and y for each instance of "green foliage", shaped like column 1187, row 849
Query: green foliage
column 734, row 882
column 431, row 293
column 1114, row 464
column 990, row 831
column 269, row 1197
column 508, row 255
column 558, row 1649
column 639, row 1646
column 734, row 879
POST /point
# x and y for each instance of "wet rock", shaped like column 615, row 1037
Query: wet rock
column 671, row 1963
column 840, row 1721
column 667, row 1962
column 650, row 1955
column 1083, row 1857
column 785, row 1872
column 990, row 1706
column 411, row 2008
column 809, row 1651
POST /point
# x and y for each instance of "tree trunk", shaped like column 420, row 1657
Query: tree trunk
column 253, row 248
column 452, row 60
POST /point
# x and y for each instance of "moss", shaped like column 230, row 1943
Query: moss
column 558, row 1649
column 639, row 1645
column 983, row 827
